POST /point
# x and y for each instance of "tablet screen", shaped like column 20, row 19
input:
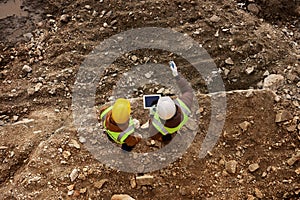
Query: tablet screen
column 150, row 100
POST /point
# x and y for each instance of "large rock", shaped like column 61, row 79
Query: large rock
column 99, row 184
column 283, row 116
column 144, row 180
column 273, row 81
column 294, row 159
column 121, row 197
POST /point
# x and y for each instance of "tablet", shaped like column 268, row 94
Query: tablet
column 150, row 100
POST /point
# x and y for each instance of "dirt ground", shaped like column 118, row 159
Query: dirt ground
column 256, row 157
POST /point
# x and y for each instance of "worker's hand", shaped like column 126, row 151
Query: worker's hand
column 173, row 68
column 138, row 135
column 152, row 110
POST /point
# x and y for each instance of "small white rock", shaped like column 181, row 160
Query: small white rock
column 74, row 143
column 37, row 87
column 71, row 187
column 113, row 22
column 70, row 192
column 229, row 61
column 28, row 36
column 148, row 75
column 253, row 167
column 133, row 183
column 161, row 90
column 134, row 58
column 258, row 193
column 152, row 142
column 15, row 118
column 64, row 18
column 105, row 25
column 231, row 166
column 24, row 121
column 34, row 179
column 82, row 190
column 82, row 139
column 244, row 125
column 74, row 174
column 88, row 7
column 66, row 154
column 99, row 184
column 215, row 18
column 277, row 98
column 121, row 197
column 226, row 72
column 27, row 69
column 249, row 70
column 267, row 73
column 217, row 33
column 3, row 147
column 294, row 159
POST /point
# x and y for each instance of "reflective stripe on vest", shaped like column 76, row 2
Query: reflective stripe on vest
column 183, row 107
column 158, row 125
column 104, row 113
column 166, row 130
column 118, row 137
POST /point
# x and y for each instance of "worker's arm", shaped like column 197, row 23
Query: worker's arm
column 101, row 110
column 185, row 89
column 155, row 135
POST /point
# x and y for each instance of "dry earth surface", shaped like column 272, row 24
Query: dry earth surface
column 254, row 44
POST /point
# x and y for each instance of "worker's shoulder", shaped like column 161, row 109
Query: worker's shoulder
column 102, row 108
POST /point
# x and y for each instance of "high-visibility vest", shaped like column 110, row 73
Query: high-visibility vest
column 118, row 137
column 166, row 130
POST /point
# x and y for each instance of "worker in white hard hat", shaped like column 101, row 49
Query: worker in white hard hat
column 118, row 124
column 170, row 115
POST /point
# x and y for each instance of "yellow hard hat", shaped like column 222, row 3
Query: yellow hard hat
column 121, row 111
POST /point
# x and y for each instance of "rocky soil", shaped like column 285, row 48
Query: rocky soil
column 254, row 44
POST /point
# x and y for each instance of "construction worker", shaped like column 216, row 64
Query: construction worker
column 118, row 124
column 170, row 115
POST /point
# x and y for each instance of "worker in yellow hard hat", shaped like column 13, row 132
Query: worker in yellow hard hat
column 118, row 124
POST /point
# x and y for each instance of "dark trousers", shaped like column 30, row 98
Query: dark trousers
column 124, row 146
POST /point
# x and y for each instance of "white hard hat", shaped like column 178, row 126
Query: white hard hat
column 166, row 108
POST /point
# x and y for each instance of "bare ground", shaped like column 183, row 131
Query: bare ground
column 37, row 156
